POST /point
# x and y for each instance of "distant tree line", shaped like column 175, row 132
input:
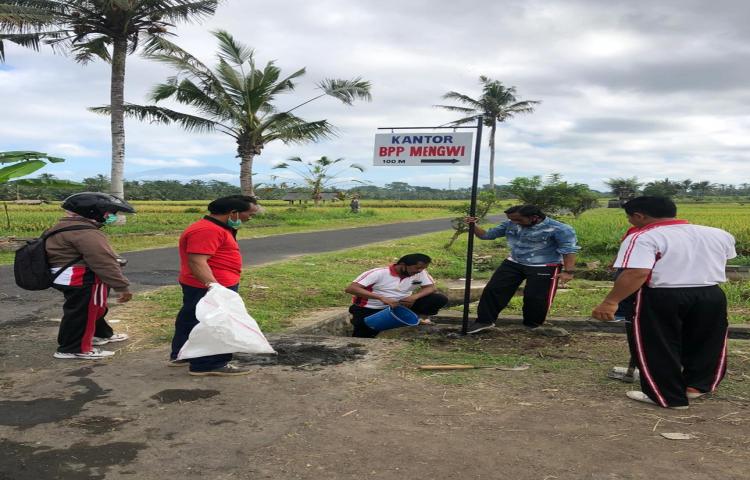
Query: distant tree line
column 625, row 188
column 552, row 194
column 202, row 190
column 137, row 190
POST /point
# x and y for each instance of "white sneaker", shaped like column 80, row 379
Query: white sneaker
column 94, row 354
column 117, row 337
column 639, row 396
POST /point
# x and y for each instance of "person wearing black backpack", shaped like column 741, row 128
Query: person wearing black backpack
column 84, row 268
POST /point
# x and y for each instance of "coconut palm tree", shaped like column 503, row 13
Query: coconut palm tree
column 318, row 174
column 624, row 188
column 105, row 29
column 496, row 104
column 237, row 98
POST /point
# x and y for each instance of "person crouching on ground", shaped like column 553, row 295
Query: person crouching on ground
column 680, row 320
column 209, row 254
column 89, row 268
column 392, row 286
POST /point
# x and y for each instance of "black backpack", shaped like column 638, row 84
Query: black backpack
column 31, row 268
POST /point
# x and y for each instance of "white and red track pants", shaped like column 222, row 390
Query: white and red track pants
column 680, row 337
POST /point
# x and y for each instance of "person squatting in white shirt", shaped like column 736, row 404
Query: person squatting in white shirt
column 392, row 286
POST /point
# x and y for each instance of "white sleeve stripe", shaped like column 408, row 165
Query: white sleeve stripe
column 629, row 250
column 365, row 275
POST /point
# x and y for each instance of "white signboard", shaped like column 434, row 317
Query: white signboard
column 423, row 149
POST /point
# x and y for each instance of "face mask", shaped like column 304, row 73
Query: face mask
column 110, row 219
column 234, row 223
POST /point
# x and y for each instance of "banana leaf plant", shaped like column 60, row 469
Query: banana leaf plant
column 22, row 163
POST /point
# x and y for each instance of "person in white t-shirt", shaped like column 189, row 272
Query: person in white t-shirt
column 680, row 321
column 405, row 283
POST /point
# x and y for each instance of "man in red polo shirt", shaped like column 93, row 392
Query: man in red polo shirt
column 209, row 254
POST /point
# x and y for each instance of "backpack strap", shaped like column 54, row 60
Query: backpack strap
column 46, row 235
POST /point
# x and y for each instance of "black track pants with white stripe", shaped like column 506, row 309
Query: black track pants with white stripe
column 538, row 293
column 680, row 337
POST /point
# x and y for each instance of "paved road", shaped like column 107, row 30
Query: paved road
column 148, row 269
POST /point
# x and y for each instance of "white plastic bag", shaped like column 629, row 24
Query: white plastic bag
column 224, row 327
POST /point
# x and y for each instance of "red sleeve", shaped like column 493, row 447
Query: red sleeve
column 203, row 242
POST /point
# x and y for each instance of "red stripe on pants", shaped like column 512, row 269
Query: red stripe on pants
column 96, row 309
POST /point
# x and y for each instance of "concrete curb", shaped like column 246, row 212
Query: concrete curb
column 337, row 323
column 740, row 332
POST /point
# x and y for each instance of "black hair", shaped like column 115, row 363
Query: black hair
column 526, row 211
column 656, row 207
column 413, row 259
column 232, row 203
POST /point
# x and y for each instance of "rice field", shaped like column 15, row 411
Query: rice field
column 170, row 217
column 599, row 231
column 158, row 223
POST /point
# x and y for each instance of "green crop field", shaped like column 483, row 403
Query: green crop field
column 158, row 224
column 599, row 231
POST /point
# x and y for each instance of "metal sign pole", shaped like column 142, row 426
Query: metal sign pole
column 472, row 212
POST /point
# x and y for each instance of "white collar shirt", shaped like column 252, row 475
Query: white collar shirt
column 387, row 282
column 678, row 254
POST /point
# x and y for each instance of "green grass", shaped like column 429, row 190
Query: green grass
column 277, row 292
column 159, row 225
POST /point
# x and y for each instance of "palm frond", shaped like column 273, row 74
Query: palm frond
column 464, row 121
column 291, row 129
column 461, row 98
column 188, row 11
column 453, row 108
column 347, row 90
column 165, row 116
column 97, row 47
column 231, row 50
column 286, row 84
column 28, row 40
column 162, row 91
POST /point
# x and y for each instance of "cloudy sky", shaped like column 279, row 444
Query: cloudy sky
column 636, row 88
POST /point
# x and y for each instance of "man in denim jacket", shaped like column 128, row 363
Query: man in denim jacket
column 542, row 252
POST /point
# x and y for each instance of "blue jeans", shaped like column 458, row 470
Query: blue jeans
column 184, row 324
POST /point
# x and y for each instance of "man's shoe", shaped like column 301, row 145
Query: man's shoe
column 117, row 337
column 94, row 354
column 477, row 327
column 639, row 396
column 178, row 363
column 225, row 371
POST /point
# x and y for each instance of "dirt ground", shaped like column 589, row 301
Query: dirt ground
column 331, row 408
